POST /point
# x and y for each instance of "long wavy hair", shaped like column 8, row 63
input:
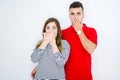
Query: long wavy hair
column 59, row 33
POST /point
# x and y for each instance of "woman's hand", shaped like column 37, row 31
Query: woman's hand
column 47, row 38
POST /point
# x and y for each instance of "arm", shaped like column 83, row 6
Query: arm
column 61, row 58
column 36, row 55
column 88, row 45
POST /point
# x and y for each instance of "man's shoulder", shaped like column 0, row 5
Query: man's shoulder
column 66, row 29
column 88, row 28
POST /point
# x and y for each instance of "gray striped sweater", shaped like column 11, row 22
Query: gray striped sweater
column 51, row 66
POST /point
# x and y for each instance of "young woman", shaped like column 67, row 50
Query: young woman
column 51, row 53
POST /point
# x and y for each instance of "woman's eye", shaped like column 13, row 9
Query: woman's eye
column 47, row 27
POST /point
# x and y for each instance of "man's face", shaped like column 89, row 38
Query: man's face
column 76, row 13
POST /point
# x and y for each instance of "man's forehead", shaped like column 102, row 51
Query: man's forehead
column 75, row 9
column 78, row 8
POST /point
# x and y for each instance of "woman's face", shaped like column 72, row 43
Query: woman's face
column 51, row 28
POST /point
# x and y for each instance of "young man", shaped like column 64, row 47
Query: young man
column 83, row 41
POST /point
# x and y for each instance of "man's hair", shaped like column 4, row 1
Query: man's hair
column 76, row 4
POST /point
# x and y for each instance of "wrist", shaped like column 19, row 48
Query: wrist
column 78, row 32
column 53, row 44
column 55, row 48
column 43, row 45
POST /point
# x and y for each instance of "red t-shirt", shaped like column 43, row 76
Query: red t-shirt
column 78, row 66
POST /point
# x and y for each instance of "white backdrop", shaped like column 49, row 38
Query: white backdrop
column 21, row 23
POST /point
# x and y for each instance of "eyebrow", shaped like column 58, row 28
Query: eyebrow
column 78, row 12
column 72, row 13
column 47, row 27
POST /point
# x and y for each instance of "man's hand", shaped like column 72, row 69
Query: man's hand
column 77, row 25
column 33, row 73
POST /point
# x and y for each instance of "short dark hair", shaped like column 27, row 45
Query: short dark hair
column 76, row 4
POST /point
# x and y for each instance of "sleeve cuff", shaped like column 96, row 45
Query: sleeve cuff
column 39, row 50
column 57, row 54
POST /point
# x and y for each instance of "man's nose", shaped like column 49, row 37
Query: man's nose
column 75, row 16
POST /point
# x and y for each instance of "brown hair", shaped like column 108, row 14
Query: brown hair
column 59, row 34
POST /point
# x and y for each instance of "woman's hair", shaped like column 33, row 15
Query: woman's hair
column 59, row 34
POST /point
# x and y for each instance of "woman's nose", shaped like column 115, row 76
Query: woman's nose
column 50, row 30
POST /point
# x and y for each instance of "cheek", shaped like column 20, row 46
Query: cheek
column 55, row 33
column 72, row 18
column 80, row 18
column 47, row 31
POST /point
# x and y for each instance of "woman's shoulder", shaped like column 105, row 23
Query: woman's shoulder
column 64, row 42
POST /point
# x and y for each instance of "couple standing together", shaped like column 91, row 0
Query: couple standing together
column 66, row 54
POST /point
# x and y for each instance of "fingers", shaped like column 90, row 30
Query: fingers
column 50, row 34
column 48, row 37
column 76, row 20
